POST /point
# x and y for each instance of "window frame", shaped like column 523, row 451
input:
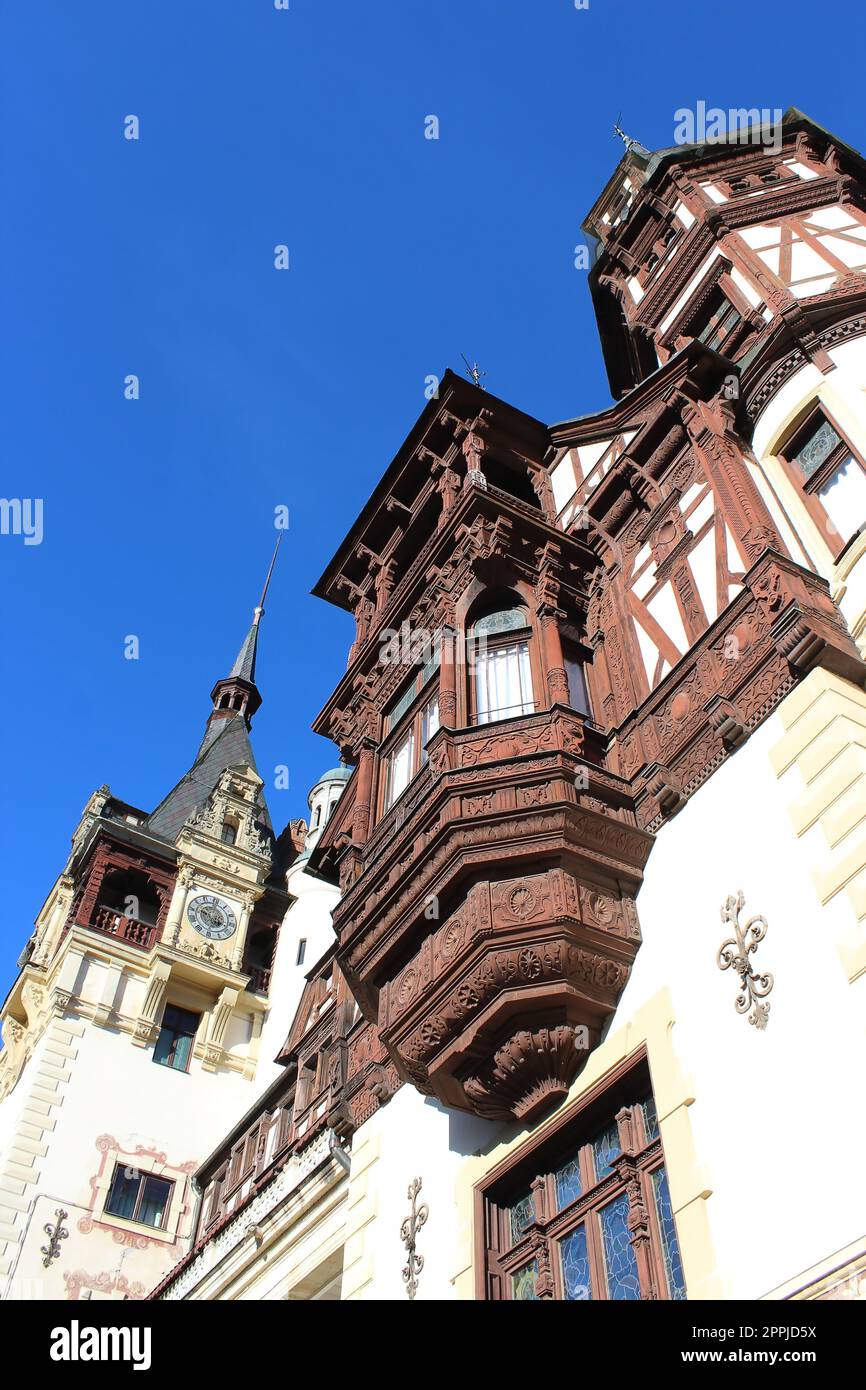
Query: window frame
column 809, row 488
column 510, row 637
column 143, row 1178
column 164, row 1027
column 409, row 725
column 499, row 1258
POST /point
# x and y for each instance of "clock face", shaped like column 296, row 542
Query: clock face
column 211, row 917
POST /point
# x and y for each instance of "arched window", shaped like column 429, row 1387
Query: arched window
column 317, row 816
column 830, row 476
column 497, row 656
column 229, row 833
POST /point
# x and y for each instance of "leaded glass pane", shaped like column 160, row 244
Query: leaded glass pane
column 650, row 1120
column 818, row 447
column 670, row 1248
column 606, row 1148
column 520, row 1216
column 576, row 1277
column 619, row 1259
column 569, row 1185
column 523, row 1283
column 508, row 620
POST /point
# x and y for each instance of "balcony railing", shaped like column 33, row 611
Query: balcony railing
column 260, row 979
column 129, row 929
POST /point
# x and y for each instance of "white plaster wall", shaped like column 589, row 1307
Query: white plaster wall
column 115, row 1088
column 308, row 919
column 413, row 1136
column 771, row 1108
column 773, row 1112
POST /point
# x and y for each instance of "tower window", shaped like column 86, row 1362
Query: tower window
column 229, row 833
column 176, row 1037
column 136, row 1196
column 317, row 817
column 302, row 951
column 831, row 477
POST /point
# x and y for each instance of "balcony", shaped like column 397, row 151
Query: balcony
column 123, row 928
column 260, row 979
column 488, row 927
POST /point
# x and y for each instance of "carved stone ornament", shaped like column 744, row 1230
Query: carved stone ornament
column 735, row 953
column 409, row 1234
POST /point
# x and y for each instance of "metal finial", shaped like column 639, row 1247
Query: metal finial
column 626, row 139
column 261, row 605
column 474, row 372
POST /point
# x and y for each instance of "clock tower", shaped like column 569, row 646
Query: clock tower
column 146, row 1015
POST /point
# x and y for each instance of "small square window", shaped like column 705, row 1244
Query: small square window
column 136, row 1196
column 176, row 1037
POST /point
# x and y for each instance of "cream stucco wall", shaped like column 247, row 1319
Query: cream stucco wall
column 750, row 1120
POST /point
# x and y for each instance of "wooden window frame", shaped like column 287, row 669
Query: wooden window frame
column 511, row 637
column 411, row 720
column 184, row 1070
column 143, row 1179
column 809, row 488
column 498, row 1259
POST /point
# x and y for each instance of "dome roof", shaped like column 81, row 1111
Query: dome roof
column 335, row 774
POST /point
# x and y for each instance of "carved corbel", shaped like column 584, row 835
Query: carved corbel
column 728, row 721
column 223, row 1009
column 665, row 789
column 146, row 1027
column 14, row 1053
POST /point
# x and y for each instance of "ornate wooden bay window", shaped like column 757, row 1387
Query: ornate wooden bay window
column 585, row 1215
column 830, row 475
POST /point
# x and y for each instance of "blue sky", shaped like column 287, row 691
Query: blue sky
column 261, row 387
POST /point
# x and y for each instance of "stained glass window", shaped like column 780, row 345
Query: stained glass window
column 816, row 449
column 605, row 1149
column 521, row 1214
column 569, row 1184
column 506, row 620
column 619, row 1260
column 576, row 1278
column 583, row 1201
column 650, row 1120
column 523, row 1283
column 670, row 1248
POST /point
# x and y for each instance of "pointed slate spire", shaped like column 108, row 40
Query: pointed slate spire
column 237, row 693
column 226, row 741
column 245, row 661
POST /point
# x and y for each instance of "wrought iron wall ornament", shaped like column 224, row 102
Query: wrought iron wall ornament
column 736, row 951
column 408, row 1233
column 56, row 1234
